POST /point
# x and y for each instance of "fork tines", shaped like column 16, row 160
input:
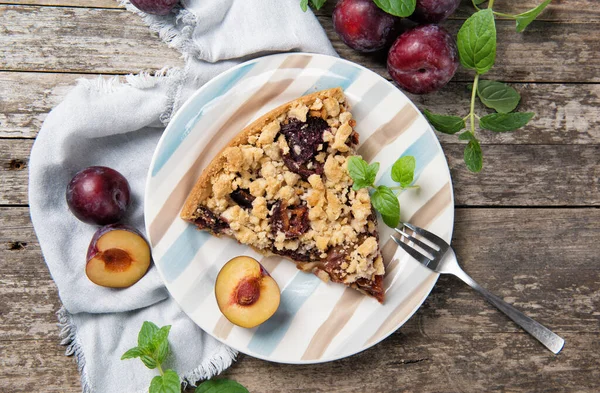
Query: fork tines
column 425, row 252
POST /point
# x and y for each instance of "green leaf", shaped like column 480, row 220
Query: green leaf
column 221, row 386
column 149, row 361
column 146, row 334
column 524, row 19
column 304, row 5
column 503, row 122
column 166, row 383
column 498, row 96
column 443, row 123
column 467, row 136
column 473, row 155
column 402, row 8
column 403, row 170
column 386, row 203
column 318, row 3
column 362, row 174
column 476, row 41
column 162, row 351
column 134, row 352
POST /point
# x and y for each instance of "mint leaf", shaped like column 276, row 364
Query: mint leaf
column 402, row 8
column 403, row 170
column 386, row 203
column 473, row 156
column 443, row 123
column 318, row 3
column 498, row 96
column 146, row 334
column 362, row 174
column 524, row 19
column 166, row 383
column 134, row 352
column 149, row 361
column 220, row 386
column 160, row 336
column 304, row 5
column 476, row 41
column 162, row 350
column 467, row 136
column 503, row 122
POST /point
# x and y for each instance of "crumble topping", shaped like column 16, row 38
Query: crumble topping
column 288, row 191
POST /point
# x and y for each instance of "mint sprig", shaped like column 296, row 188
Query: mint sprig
column 477, row 42
column 383, row 198
column 401, row 8
column 153, row 350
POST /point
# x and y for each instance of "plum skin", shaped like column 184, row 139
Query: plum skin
column 156, row 7
column 423, row 59
column 434, row 11
column 363, row 26
column 98, row 195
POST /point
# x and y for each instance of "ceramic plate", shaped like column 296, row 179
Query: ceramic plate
column 316, row 321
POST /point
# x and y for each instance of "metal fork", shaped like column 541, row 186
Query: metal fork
column 438, row 256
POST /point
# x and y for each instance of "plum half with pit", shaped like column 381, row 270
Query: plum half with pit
column 363, row 26
column 118, row 256
column 423, row 59
column 98, row 195
column 246, row 293
column 434, row 11
column 156, row 7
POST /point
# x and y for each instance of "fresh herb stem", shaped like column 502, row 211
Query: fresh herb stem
column 491, row 4
column 504, row 15
column 473, row 94
column 160, row 370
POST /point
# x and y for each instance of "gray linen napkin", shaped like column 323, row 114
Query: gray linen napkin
column 117, row 124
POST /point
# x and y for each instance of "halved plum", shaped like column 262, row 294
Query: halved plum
column 246, row 293
column 118, row 256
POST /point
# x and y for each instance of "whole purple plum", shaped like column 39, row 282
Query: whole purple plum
column 423, row 59
column 434, row 11
column 363, row 26
column 98, row 195
column 156, row 7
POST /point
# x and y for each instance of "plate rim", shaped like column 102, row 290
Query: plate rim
column 188, row 103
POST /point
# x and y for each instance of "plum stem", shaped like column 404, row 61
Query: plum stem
column 472, row 113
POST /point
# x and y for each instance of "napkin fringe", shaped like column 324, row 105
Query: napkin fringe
column 70, row 339
column 173, row 76
column 214, row 365
column 176, row 30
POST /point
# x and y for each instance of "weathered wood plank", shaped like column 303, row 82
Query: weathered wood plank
column 565, row 114
column 67, row 3
column 115, row 41
column 557, row 175
column 564, row 295
column 546, row 52
column 413, row 362
column 559, row 10
column 80, row 40
column 575, row 10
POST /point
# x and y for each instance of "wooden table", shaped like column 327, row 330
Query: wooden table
column 527, row 226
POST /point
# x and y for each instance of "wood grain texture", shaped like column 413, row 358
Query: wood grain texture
column 453, row 331
column 565, row 114
column 33, row 40
column 557, row 175
column 560, row 10
column 80, row 40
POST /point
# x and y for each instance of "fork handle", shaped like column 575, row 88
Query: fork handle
column 544, row 335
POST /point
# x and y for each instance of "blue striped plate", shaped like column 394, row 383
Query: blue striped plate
column 316, row 321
